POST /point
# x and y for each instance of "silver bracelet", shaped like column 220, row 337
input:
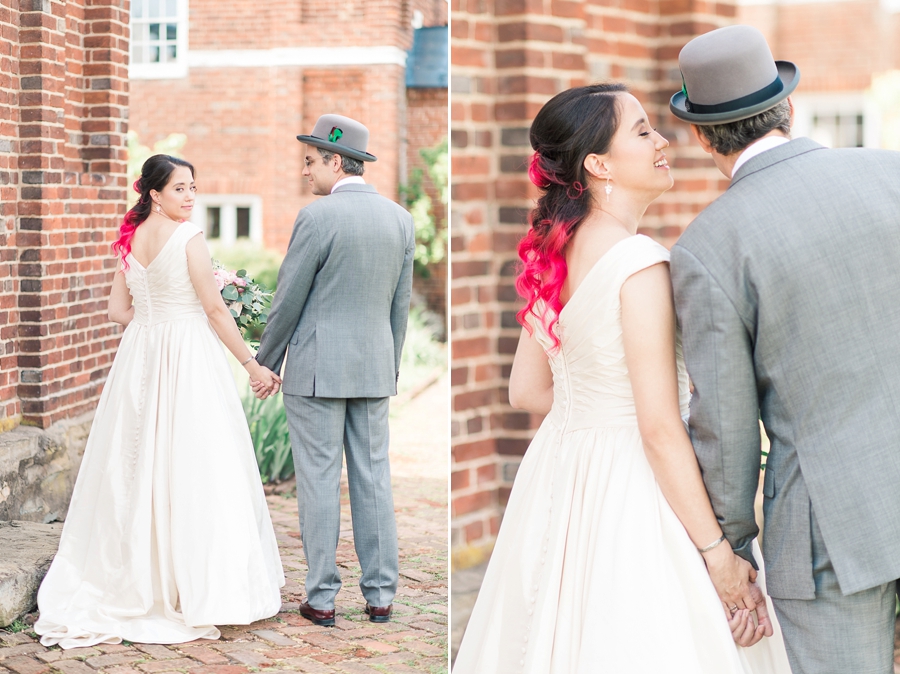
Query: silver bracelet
column 711, row 545
column 248, row 360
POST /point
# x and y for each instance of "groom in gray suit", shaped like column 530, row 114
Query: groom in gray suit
column 340, row 313
column 786, row 288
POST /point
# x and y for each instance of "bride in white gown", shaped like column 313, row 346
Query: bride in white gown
column 168, row 533
column 599, row 563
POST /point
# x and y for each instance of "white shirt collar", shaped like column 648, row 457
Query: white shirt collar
column 349, row 180
column 756, row 148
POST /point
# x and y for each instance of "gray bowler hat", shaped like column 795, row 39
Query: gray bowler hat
column 340, row 135
column 729, row 74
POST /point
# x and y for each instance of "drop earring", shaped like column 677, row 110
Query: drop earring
column 159, row 208
column 608, row 188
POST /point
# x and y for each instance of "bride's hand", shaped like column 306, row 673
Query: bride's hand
column 264, row 382
column 731, row 575
column 744, row 630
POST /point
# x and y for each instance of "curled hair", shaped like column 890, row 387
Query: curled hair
column 569, row 127
column 734, row 137
column 155, row 175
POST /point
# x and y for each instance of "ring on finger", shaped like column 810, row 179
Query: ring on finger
column 733, row 609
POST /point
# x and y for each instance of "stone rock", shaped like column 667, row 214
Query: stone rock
column 38, row 469
column 26, row 550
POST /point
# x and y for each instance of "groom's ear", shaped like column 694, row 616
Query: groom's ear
column 596, row 167
column 704, row 142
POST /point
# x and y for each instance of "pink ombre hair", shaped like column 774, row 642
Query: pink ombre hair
column 570, row 126
column 155, row 175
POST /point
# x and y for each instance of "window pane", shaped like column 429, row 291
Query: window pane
column 213, row 218
column 137, row 8
column 171, row 31
column 171, row 53
column 138, row 32
column 154, row 9
column 243, row 222
column 137, row 53
column 154, row 31
column 171, row 8
column 153, row 54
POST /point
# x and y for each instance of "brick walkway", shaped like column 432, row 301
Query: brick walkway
column 414, row 641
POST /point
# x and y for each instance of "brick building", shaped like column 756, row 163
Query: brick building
column 842, row 49
column 511, row 56
column 63, row 106
column 241, row 80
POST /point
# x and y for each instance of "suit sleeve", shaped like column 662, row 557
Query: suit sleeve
column 400, row 303
column 295, row 279
column 724, row 421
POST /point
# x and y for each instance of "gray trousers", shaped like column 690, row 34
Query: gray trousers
column 320, row 429
column 837, row 634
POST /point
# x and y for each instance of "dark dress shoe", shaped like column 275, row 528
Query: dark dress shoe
column 379, row 614
column 323, row 618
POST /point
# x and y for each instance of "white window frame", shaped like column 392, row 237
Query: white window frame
column 806, row 106
column 229, row 203
column 170, row 70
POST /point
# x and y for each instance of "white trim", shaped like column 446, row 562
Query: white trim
column 839, row 103
column 157, row 71
column 165, row 71
column 790, row 2
column 296, row 56
column 229, row 203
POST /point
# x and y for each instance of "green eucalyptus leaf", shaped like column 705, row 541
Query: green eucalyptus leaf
column 229, row 292
column 233, row 313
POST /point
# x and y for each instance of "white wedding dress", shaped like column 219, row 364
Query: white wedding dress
column 592, row 571
column 168, row 533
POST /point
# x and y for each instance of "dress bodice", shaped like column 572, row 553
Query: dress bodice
column 163, row 291
column 591, row 384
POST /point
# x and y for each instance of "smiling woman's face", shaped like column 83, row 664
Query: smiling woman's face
column 177, row 197
column 636, row 160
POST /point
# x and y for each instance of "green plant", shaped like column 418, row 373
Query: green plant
column 16, row 626
column 271, row 440
column 138, row 154
column 431, row 237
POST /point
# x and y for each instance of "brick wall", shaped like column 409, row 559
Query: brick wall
column 241, row 123
column 10, row 406
column 508, row 58
column 62, row 174
column 836, row 45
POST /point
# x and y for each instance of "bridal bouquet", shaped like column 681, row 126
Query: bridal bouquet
column 247, row 300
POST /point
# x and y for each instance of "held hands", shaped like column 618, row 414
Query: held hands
column 734, row 579
column 744, row 630
column 263, row 381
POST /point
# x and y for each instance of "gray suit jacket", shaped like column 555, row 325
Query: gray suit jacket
column 342, row 301
column 787, row 290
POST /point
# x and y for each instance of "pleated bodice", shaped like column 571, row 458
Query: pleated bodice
column 163, row 291
column 591, row 386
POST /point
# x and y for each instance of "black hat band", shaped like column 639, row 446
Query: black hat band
column 747, row 101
